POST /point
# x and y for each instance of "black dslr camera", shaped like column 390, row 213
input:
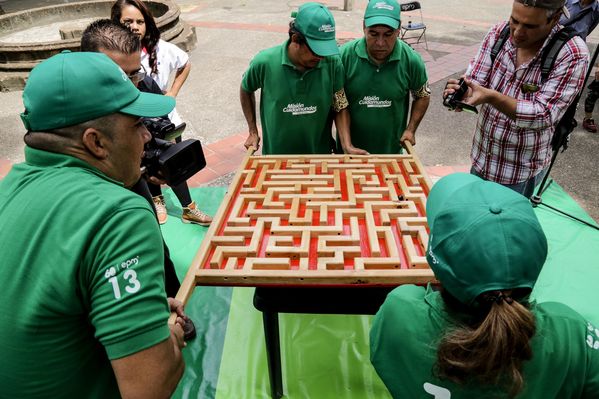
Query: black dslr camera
column 454, row 100
column 173, row 162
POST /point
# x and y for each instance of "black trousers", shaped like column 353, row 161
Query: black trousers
column 171, row 281
column 592, row 97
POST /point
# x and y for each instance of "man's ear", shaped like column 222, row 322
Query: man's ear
column 96, row 142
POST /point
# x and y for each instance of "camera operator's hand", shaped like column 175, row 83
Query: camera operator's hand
column 452, row 86
column 476, row 94
column 253, row 140
column 156, row 180
column 408, row 135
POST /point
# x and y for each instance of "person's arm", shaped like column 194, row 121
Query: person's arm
column 180, row 78
column 127, row 304
column 248, row 105
column 419, row 106
column 480, row 95
column 153, row 372
column 477, row 95
column 342, row 126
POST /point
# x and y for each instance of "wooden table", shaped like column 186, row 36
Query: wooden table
column 343, row 222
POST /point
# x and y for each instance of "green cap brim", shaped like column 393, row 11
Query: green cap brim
column 443, row 191
column 323, row 48
column 149, row 105
column 381, row 20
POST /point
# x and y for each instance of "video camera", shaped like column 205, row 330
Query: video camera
column 454, row 100
column 173, row 162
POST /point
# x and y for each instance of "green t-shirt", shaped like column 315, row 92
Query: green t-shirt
column 408, row 326
column 379, row 96
column 82, row 279
column 295, row 107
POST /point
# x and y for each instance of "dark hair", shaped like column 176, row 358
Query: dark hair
column 150, row 40
column 300, row 38
column 491, row 347
column 105, row 34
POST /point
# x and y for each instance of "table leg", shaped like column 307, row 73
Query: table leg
column 273, row 352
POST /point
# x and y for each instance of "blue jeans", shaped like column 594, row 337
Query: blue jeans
column 526, row 188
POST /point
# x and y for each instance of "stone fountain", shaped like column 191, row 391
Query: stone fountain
column 29, row 37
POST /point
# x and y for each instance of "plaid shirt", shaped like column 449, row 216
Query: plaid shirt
column 512, row 151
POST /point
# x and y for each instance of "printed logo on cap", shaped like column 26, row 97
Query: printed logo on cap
column 430, row 252
column 383, row 5
column 327, row 28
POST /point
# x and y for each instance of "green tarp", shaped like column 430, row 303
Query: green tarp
column 327, row 356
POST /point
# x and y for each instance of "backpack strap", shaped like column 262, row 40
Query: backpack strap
column 550, row 52
column 505, row 33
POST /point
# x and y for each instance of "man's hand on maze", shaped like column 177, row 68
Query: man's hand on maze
column 408, row 135
column 355, row 151
column 176, row 306
column 253, row 140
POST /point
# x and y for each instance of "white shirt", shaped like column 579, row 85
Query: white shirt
column 170, row 59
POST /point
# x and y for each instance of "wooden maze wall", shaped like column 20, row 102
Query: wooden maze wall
column 331, row 220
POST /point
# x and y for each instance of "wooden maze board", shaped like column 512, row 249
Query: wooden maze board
column 318, row 219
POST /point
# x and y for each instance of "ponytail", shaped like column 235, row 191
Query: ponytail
column 491, row 348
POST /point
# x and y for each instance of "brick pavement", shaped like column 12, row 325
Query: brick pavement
column 223, row 157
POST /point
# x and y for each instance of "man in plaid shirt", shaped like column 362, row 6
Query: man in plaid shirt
column 519, row 112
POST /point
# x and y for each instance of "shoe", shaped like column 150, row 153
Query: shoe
column 189, row 330
column 160, row 207
column 192, row 214
column 588, row 124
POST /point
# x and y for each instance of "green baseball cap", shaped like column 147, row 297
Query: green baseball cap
column 71, row 88
column 483, row 237
column 317, row 24
column 382, row 12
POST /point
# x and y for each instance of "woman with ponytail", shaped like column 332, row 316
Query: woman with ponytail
column 479, row 335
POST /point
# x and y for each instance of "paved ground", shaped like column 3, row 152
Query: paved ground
column 230, row 32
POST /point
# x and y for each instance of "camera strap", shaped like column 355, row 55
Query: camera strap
column 549, row 54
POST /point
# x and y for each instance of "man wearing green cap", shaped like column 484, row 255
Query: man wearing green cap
column 301, row 82
column 480, row 336
column 84, row 312
column 380, row 74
